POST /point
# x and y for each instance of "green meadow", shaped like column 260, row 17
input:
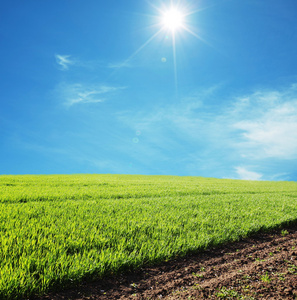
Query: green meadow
column 57, row 230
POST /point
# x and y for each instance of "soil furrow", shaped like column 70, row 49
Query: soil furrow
column 261, row 267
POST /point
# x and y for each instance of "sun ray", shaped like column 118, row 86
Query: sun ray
column 196, row 35
column 126, row 62
column 143, row 45
column 174, row 64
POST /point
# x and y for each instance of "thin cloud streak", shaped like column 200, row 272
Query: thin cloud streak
column 63, row 61
column 79, row 93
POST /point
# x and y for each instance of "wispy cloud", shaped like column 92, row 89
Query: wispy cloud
column 269, row 127
column 257, row 129
column 79, row 93
column 64, row 61
column 244, row 174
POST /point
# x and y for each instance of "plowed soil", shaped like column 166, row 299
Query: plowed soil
column 261, row 267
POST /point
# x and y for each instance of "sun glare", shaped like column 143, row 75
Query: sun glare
column 172, row 22
column 173, row 19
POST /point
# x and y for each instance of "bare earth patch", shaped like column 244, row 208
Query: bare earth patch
column 260, row 267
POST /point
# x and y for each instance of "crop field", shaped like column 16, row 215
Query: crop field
column 57, row 230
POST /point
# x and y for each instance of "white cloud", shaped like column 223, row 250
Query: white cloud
column 247, row 175
column 83, row 93
column 64, row 61
column 269, row 126
column 258, row 127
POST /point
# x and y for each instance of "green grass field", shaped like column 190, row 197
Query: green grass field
column 57, row 230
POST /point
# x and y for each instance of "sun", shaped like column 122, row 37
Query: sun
column 172, row 19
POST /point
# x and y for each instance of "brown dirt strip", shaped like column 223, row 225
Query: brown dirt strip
column 261, row 267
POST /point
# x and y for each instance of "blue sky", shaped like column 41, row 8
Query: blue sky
column 104, row 87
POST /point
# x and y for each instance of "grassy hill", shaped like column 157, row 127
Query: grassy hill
column 60, row 229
